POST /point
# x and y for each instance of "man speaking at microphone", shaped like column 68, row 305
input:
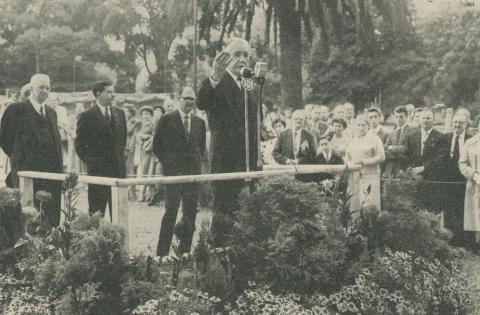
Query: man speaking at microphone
column 223, row 98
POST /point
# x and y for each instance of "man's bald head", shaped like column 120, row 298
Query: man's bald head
column 40, row 84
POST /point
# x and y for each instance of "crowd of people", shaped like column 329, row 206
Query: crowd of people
column 442, row 161
column 206, row 133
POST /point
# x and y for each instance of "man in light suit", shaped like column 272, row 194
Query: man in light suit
column 100, row 143
column 180, row 144
column 30, row 137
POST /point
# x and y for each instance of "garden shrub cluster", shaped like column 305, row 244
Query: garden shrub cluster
column 295, row 249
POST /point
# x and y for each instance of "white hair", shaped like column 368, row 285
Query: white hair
column 38, row 79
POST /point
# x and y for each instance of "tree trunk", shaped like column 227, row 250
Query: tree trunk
column 291, row 53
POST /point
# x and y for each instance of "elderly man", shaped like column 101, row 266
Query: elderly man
column 29, row 136
column 426, row 152
column 454, row 193
column 100, row 143
column 319, row 124
column 222, row 97
column 296, row 144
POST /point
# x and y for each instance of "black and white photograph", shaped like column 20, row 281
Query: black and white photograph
column 239, row 157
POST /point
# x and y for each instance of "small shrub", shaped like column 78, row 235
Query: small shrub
column 284, row 238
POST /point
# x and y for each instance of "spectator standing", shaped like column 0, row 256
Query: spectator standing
column 365, row 150
column 375, row 116
column 145, row 139
column 426, row 151
column 338, row 139
column 395, row 159
column 454, row 193
column 180, row 144
column 30, row 137
column 295, row 143
column 100, row 143
column 469, row 165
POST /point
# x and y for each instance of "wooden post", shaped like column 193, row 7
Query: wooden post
column 26, row 188
column 120, row 209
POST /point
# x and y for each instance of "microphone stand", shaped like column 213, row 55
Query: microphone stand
column 260, row 82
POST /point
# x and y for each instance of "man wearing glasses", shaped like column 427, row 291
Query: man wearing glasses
column 179, row 144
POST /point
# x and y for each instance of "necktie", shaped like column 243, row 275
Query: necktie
column 108, row 116
column 186, row 124
column 456, row 149
column 42, row 111
column 399, row 134
column 424, row 140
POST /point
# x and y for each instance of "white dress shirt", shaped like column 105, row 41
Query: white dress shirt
column 37, row 106
column 104, row 109
column 461, row 142
column 297, row 135
column 183, row 116
column 425, row 135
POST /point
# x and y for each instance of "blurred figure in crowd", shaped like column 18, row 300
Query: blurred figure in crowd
column 145, row 138
column 375, row 117
column 338, row 139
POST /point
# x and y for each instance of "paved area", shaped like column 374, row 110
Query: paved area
column 144, row 222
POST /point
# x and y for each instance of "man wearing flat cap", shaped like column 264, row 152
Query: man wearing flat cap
column 179, row 144
column 29, row 136
column 222, row 97
column 100, row 143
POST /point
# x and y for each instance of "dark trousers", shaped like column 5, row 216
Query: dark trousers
column 188, row 194
column 51, row 208
column 225, row 204
column 98, row 198
column 453, row 199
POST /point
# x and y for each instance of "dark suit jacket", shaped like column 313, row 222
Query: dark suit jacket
column 434, row 153
column 451, row 171
column 31, row 142
column 225, row 109
column 382, row 134
column 320, row 160
column 179, row 155
column 283, row 149
column 99, row 146
column 395, row 159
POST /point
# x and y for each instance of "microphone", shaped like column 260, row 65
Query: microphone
column 246, row 73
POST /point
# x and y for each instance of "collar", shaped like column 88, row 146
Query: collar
column 426, row 133
column 460, row 136
column 234, row 77
column 299, row 131
column 103, row 108
column 376, row 130
column 36, row 104
column 402, row 127
column 183, row 114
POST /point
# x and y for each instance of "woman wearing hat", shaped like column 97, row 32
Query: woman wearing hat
column 145, row 139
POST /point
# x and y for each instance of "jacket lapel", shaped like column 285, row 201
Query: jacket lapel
column 101, row 118
column 179, row 125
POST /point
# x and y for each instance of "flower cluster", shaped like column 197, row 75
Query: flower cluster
column 17, row 297
column 265, row 302
column 185, row 302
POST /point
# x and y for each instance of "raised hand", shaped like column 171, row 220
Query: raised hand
column 220, row 64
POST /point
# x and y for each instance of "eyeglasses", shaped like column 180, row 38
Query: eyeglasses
column 188, row 99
